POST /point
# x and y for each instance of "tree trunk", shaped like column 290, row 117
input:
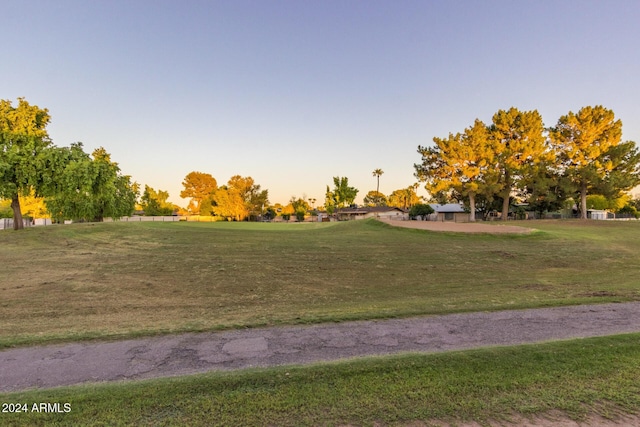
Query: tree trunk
column 505, row 205
column 17, row 213
column 583, row 200
column 505, row 196
column 472, row 207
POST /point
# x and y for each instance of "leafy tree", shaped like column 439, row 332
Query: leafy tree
column 198, row 186
column 87, row 188
column 404, row 198
column 587, row 145
column 24, row 143
column 253, row 198
column 154, row 203
column 300, row 214
column 420, row 210
column 545, row 188
column 597, row 201
column 462, row 163
column 519, row 145
column 342, row 195
column 630, row 210
column 299, row 204
column 229, row 204
column 624, row 173
column 377, row 173
column 270, row 213
column 375, row 198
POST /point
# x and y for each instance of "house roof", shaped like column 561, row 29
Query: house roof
column 449, row 207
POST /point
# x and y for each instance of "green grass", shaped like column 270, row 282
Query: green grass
column 119, row 280
column 577, row 378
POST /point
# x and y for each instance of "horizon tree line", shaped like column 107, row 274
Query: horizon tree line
column 517, row 158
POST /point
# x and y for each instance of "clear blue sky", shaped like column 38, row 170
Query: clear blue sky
column 293, row 93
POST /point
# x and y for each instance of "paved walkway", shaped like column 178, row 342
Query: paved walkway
column 66, row 364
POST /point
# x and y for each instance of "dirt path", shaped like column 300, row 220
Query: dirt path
column 460, row 227
column 66, row 364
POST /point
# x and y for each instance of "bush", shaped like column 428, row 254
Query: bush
column 629, row 210
column 421, row 210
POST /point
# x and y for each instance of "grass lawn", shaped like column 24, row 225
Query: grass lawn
column 579, row 378
column 127, row 279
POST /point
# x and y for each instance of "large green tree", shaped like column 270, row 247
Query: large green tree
column 155, row 203
column 87, row 188
column 519, row 145
column 587, row 146
column 342, row 195
column 24, row 143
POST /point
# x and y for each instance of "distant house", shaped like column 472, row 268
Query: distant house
column 448, row 212
column 383, row 212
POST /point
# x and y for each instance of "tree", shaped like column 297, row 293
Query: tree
column 198, row 186
column 23, row 145
column 86, row 188
column 253, row 198
column 624, row 174
column 341, row 196
column 375, row 198
column 463, row 163
column 228, row 204
column 299, row 204
column 377, row 173
column 546, row 190
column 519, row 144
column 154, row 203
column 420, row 210
column 404, row 198
column 587, row 145
column 240, row 199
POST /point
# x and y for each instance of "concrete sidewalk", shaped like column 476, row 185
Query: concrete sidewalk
column 66, row 364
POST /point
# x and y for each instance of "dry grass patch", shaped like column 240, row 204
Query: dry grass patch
column 126, row 279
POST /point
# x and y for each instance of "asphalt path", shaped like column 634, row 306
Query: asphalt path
column 77, row 363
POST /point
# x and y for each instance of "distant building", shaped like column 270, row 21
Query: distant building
column 448, row 212
column 383, row 212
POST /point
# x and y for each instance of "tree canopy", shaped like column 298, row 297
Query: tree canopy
column 198, row 186
column 404, row 198
column 240, row 199
column 24, row 142
column 154, row 203
column 587, row 146
column 516, row 157
column 341, row 196
column 375, row 198
column 463, row 163
column 87, row 188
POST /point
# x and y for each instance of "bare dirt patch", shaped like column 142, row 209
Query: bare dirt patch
column 459, row 227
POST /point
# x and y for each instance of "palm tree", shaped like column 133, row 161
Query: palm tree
column 377, row 173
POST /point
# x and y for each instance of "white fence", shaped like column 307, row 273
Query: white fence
column 148, row 219
column 7, row 223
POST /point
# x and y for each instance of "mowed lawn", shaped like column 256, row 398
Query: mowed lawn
column 127, row 279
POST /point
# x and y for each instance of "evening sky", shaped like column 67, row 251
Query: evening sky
column 293, row 93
